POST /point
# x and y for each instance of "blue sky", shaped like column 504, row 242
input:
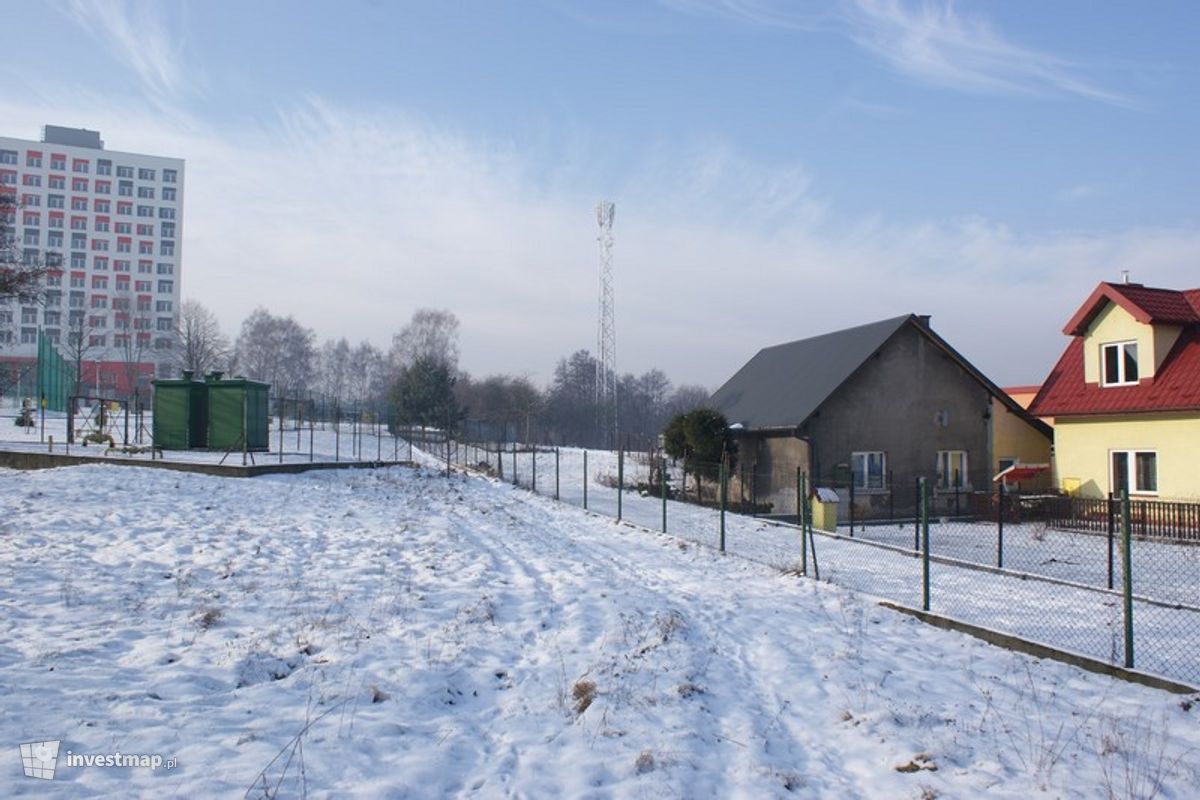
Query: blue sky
column 779, row 169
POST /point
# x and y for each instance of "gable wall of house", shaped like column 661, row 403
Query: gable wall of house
column 1115, row 324
column 1013, row 437
column 910, row 400
column 1083, row 445
column 773, row 462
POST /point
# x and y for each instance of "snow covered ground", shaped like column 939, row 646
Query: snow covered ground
column 1077, row 618
column 393, row 633
column 322, row 442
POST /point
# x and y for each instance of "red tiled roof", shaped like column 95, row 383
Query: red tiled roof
column 1193, row 297
column 1144, row 303
column 1174, row 387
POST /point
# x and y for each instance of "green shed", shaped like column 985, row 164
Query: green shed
column 180, row 413
column 229, row 403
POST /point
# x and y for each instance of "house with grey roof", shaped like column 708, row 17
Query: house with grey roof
column 876, row 406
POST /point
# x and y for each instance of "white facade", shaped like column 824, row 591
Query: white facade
column 116, row 221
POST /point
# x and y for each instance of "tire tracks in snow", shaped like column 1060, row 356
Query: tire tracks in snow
column 710, row 655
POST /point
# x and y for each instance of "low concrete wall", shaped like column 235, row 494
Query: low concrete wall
column 1039, row 650
column 26, row 461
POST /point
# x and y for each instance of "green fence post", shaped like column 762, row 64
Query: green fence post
column 917, row 517
column 1111, row 514
column 556, row 473
column 535, row 469
column 585, row 479
column 1000, row 529
column 662, row 480
column 812, row 539
column 924, row 544
column 620, row 480
column 801, row 519
column 1127, row 574
column 724, row 497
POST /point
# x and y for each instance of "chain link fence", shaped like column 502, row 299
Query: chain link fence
column 1115, row 582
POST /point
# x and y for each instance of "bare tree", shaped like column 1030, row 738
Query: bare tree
column 80, row 345
column 366, row 375
column 687, row 397
column 430, row 334
column 131, row 337
column 22, row 268
column 22, row 265
column 199, row 344
column 333, row 363
column 277, row 350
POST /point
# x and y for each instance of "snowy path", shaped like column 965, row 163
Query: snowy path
column 452, row 629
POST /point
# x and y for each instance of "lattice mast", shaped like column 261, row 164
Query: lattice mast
column 606, row 332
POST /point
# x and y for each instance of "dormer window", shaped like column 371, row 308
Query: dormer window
column 1120, row 363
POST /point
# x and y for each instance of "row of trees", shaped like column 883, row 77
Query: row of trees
column 417, row 381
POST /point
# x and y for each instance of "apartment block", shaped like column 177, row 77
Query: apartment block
column 113, row 222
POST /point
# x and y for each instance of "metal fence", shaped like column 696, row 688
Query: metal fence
column 1110, row 579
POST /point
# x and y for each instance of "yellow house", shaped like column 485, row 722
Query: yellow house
column 1125, row 395
column 1016, row 443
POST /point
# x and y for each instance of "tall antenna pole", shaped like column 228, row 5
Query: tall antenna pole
column 606, row 332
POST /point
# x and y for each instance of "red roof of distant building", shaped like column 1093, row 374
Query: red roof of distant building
column 1176, row 383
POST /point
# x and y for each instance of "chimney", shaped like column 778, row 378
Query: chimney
column 1125, row 277
column 923, row 320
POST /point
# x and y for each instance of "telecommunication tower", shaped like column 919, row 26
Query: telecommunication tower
column 606, row 332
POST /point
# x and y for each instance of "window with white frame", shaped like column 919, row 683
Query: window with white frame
column 1119, row 362
column 869, row 470
column 952, row 469
column 1135, row 471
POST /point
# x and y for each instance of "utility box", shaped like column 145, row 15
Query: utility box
column 825, row 510
column 237, row 409
column 180, row 413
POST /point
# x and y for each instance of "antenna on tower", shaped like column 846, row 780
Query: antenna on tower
column 606, row 332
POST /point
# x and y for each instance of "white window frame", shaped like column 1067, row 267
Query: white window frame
column 945, row 476
column 866, row 456
column 1122, row 378
column 1131, row 471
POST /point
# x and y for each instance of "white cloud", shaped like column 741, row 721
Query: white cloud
column 930, row 41
column 351, row 219
column 137, row 34
column 1082, row 191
